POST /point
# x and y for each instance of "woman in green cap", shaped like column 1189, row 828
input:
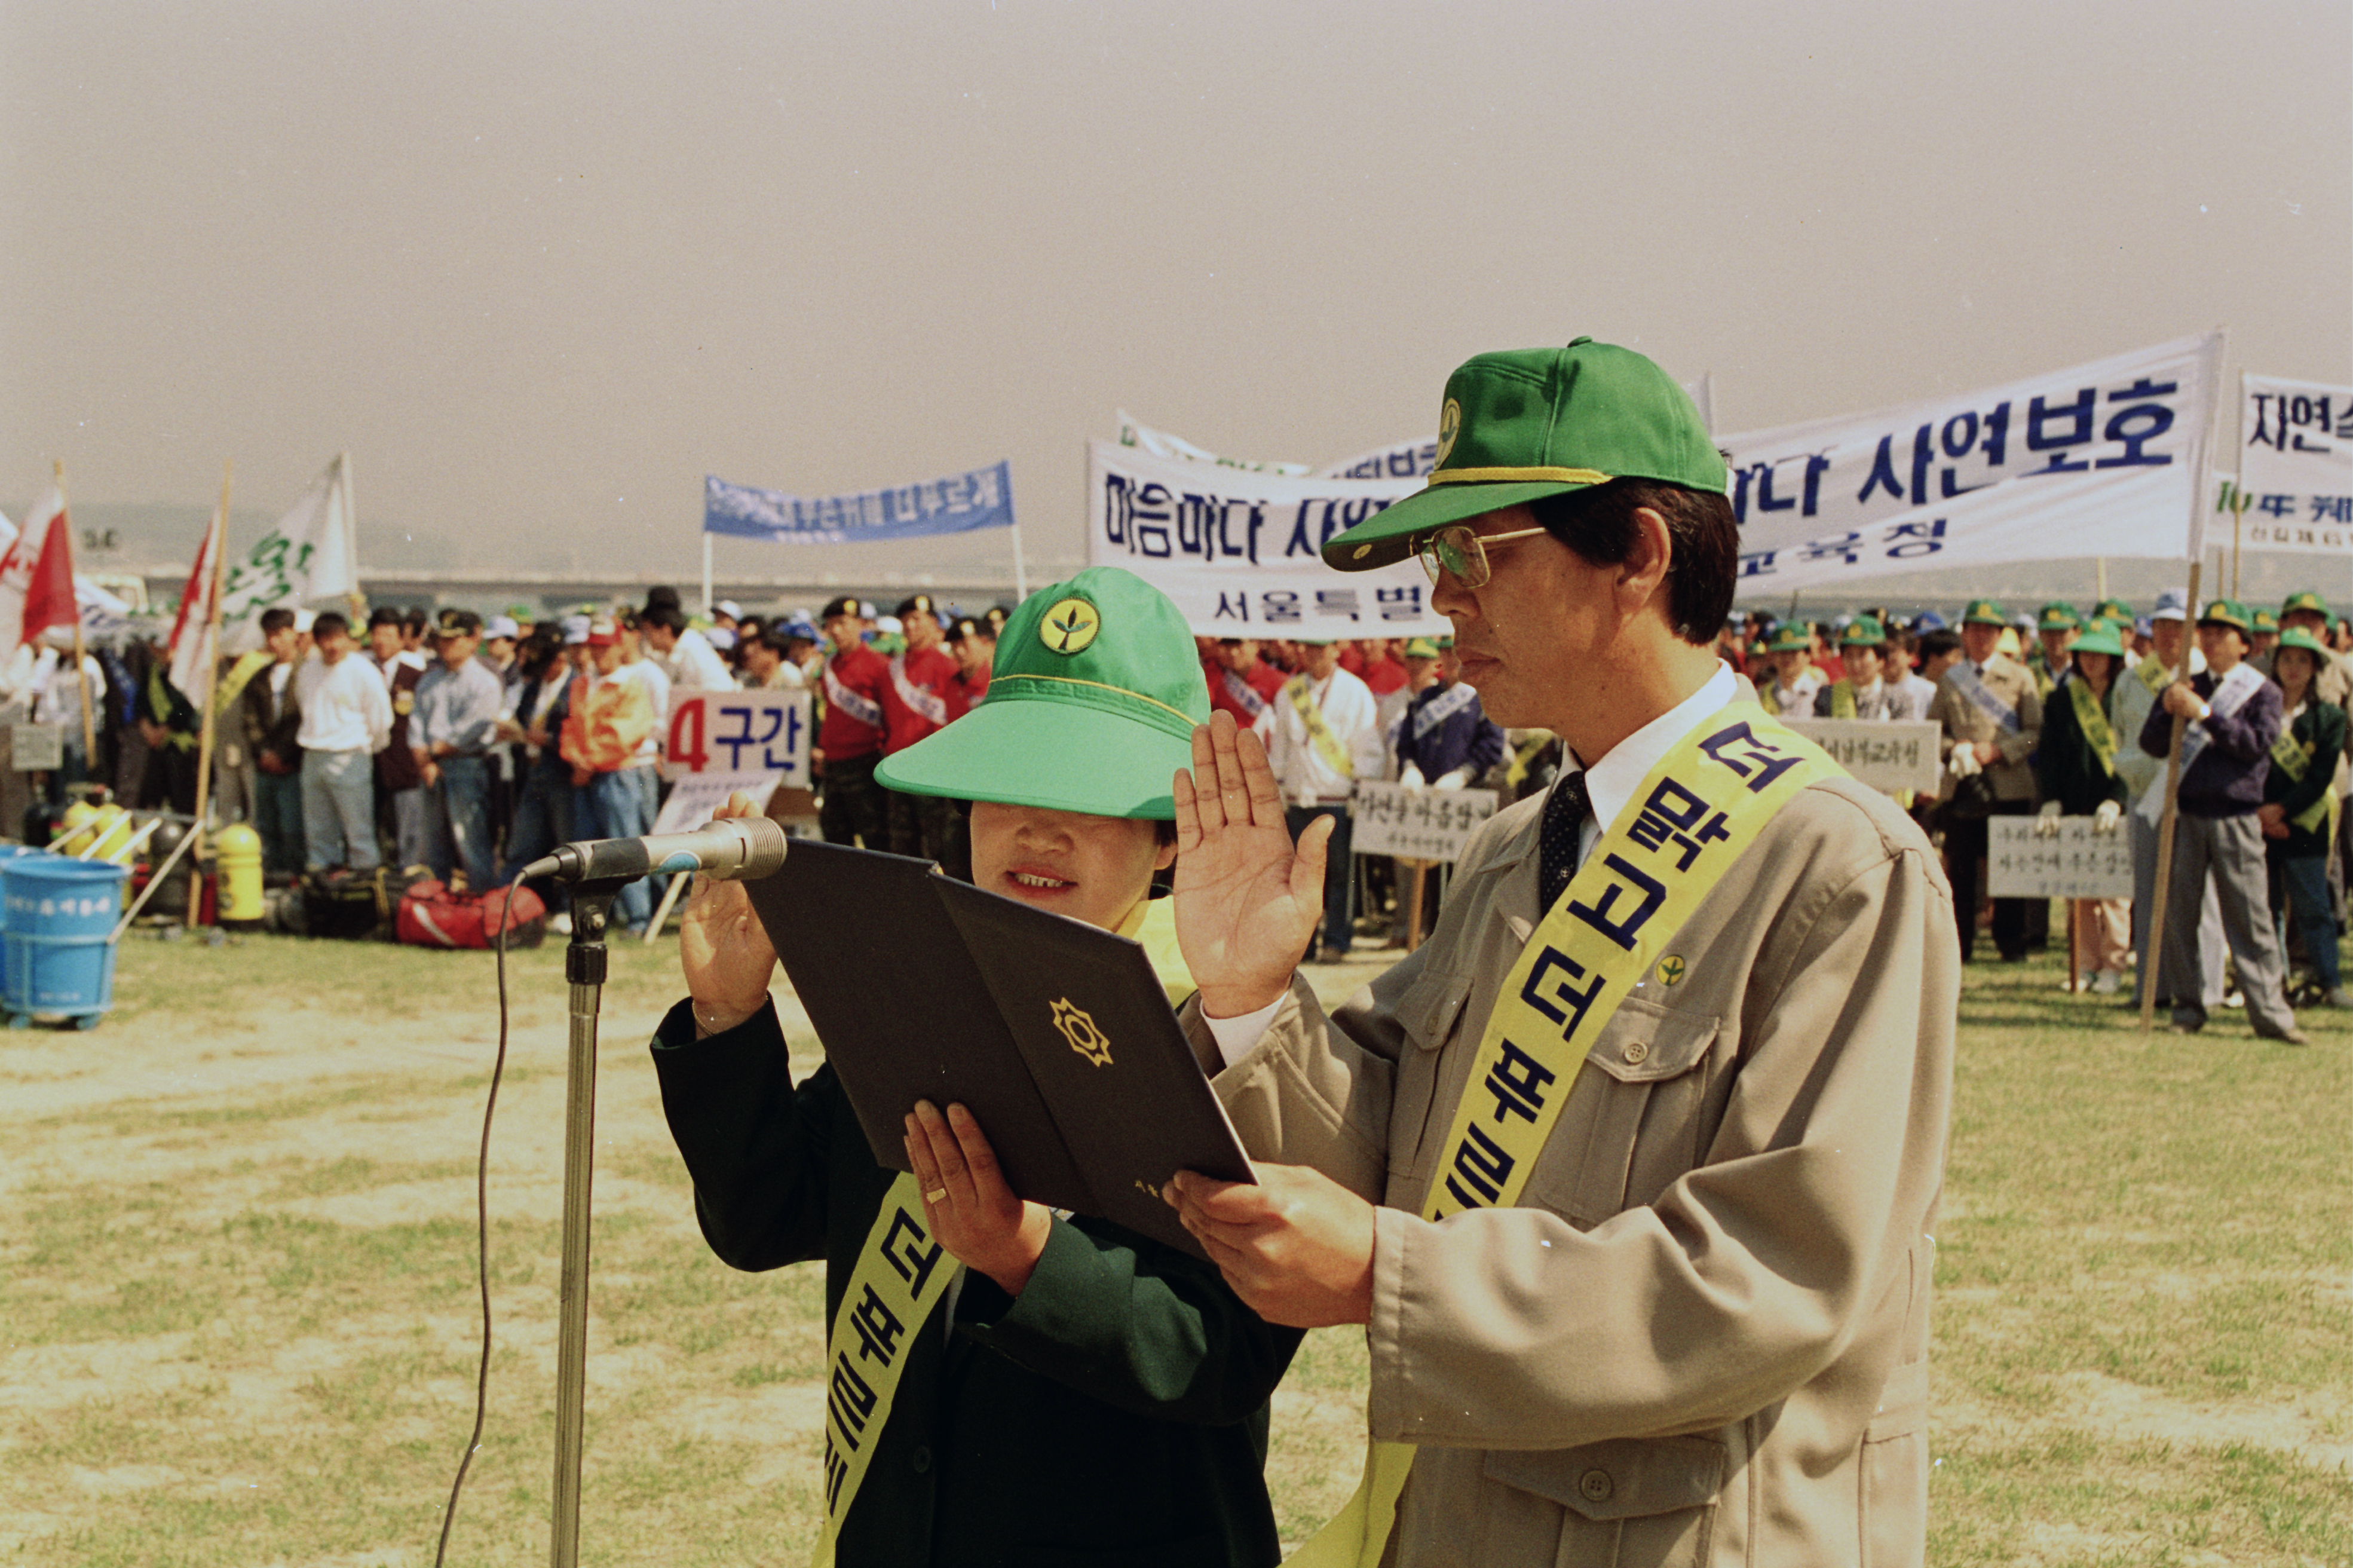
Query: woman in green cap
column 1078, row 1394
column 2075, row 770
column 2298, row 813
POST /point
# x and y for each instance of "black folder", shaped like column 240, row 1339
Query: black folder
column 1056, row 1035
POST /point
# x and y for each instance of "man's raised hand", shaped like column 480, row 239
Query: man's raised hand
column 1248, row 900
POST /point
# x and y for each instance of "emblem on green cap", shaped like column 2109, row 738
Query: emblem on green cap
column 1071, row 626
column 1449, row 425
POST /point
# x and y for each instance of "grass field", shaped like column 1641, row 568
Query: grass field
column 237, row 1286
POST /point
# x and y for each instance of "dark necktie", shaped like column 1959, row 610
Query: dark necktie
column 1564, row 826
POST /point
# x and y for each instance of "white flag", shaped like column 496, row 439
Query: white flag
column 312, row 554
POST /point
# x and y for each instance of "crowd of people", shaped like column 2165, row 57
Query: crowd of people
column 2064, row 713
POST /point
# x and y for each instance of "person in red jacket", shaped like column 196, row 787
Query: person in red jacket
column 1242, row 682
column 1384, row 671
column 923, row 697
column 855, row 810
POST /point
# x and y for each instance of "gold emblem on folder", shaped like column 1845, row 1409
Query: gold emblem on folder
column 1080, row 1030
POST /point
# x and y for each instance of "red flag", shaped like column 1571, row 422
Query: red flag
column 49, row 596
column 191, row 644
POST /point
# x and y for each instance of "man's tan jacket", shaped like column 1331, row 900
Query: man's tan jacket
column 1964, row 721
column 1703, row 1338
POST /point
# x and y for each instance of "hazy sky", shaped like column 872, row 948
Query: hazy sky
column 540, row 267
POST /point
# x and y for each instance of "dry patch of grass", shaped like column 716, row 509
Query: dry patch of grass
column 237, row 1285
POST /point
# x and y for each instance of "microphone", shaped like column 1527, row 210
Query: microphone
column 741, row 847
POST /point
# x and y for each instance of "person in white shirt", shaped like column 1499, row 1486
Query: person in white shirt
column 346, row 720
column 1327, row 734
column 57, row 699
column 684, row 654
column 638, row 665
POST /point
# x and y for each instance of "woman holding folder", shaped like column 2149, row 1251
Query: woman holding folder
column 1074, row 1393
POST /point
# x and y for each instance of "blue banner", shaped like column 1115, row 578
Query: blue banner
column 981, row 499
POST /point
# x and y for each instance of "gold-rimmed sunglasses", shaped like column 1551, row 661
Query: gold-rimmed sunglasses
column 1462, row 551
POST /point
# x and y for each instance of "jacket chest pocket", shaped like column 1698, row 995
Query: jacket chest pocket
column 1428, row 1014
column 1634, row 1120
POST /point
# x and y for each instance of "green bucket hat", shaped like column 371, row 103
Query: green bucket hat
column 2307, row 599
column 2101, row 639
column 2227, row 612
column 1984, row 612
column 2298, row 637
column 2059, row 617
column 1090, row 707
column 1789, row 638
column 1523, row 424
column 1863, row 632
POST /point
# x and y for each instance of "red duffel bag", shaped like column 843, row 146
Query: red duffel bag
column 433, row 916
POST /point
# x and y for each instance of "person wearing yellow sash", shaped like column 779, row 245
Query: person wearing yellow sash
column 1865, row 691
column 1002, row 1384
column 1628, row 1173
column 2075, row 768
column 2056, row 626
column 1327, row 735
column 2299, row 809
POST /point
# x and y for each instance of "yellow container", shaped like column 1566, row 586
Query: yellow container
column 113, row 827
column 238, row 848
column 73, row 829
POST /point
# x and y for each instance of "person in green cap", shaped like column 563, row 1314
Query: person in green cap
column 2300, row 805
column 2075, row 768
column 1084, row 1394
column 2056, row 625
column 2233, row 718
column 2264, row 635
column 1863, row 692
column 1991, row 709
column 1628, row 1172
column 1795, row 678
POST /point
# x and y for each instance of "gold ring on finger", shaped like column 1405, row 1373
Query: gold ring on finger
column 935, row 1195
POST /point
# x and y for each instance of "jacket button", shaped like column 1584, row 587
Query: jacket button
column 922, row 1460
column 1637, row 1052
column 1594, row 1486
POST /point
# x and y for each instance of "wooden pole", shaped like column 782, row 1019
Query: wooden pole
column 2238, row 522
column 2075, row 952
column 2154, row 958
column 212, row 680
column 2101, row 567
column 1413, row 903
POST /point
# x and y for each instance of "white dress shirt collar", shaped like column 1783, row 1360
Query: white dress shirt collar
column 1611, row 783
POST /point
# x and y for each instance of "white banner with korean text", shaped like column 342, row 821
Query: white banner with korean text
column 2076, row 862
column 735, row 732
column 1888, row 756
column 2295, row 487
column 1238, row 551
column 2104, row 458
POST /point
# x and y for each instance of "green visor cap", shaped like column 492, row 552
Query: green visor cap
column 1090, row 707
column 1984, row 612
column 2307, row 599
column 1526, row 423
column 2298, row 637
column 2226, row 612
column 2101, row 639
column 1863, row 632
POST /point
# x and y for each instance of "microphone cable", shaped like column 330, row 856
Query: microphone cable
column 482, row 1236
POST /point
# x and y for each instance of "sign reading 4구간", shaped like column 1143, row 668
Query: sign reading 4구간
column 739, row 732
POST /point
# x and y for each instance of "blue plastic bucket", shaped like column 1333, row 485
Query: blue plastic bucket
column 59, row 914
column 9, row 851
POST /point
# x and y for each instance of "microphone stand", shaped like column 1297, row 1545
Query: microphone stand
column 584, row 970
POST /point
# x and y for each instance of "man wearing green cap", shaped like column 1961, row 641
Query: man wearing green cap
column 2056, row 625
column 1796, row 678
column 2234, row 717
column 1656, row 1120
column 1863, row 692
column 1992, row 715
column 2264, row 635
column 1076, row 1392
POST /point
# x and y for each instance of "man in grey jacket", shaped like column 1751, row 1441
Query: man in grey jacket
column 1640, row 1240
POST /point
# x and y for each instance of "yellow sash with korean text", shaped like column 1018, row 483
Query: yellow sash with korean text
column 900, row 1276
column 1302, row 693
column 2092, row 720
column 2294, row 757
column 1695, row 814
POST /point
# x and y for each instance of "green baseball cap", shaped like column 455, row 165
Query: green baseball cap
column 1790, row 637
column 1090, row 707
column 2227, row 612
column 2059, row 617
column 2266, row 622
column 1422, row 648
column 1984, row 612
column 2298, row 637
column 1526, row 423
column 2115, row 610
column 2101, row 639
column 1863, row 632
column 2307, row 599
